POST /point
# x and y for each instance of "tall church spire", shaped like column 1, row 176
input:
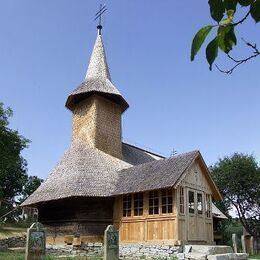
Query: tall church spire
column 98, row 79
column 97, row 106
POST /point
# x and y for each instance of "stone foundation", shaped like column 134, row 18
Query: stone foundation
column 11, row 242
column 126, row 251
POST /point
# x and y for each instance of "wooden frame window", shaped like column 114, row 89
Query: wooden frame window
column 127, row 205
column 181, row 200
column 167, row 201
column 191, row 201
column 199, row 203
column 138, row 204
column 208, row 206
column 153, row 202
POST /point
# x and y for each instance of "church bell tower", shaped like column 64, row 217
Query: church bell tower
column 97, row 106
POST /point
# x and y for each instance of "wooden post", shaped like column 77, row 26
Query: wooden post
column 234, row 240
column 243, row 243
column 251, row 251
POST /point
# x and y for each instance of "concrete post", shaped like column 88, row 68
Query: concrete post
column 243, row 243
column 234, row 241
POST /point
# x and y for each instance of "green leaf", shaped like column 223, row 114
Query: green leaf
column 198, row 40
column 255, row 11
column 212, row 51
column 230, row 5
column 226, row 38
column 217, row 9
column 245, row 2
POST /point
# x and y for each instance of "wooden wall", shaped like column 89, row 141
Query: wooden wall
column 160, row 228
column 84, row 217
column 175, row 228
column 195, row 228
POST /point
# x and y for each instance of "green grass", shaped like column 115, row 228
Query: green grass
column 11, row 256
column 21, row 256
column 254, row 257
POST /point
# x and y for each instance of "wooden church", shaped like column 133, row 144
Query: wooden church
column 101, row 180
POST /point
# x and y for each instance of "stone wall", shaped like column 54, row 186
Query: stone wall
column 126, row 251
column 12, row 242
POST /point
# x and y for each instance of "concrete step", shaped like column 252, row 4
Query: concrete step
column 208, row 249
column 230, row 256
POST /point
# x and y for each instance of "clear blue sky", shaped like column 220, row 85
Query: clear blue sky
column 44, row 52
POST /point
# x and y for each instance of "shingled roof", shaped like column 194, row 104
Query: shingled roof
column 154, row 175
column 97, row 80
column 85, row 171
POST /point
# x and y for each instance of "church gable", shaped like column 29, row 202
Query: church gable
column 195, row 178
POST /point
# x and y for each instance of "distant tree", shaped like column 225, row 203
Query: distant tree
column 13, row 167
column 15, row 185
column 223, row 12
column 32, row 183
column 238, row 178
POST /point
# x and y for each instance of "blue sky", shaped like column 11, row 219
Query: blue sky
column 174, row 104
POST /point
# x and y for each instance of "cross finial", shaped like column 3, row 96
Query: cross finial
column 98, row 15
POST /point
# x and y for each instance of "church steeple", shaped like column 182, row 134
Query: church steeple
column 97, row 106
column 98, row 79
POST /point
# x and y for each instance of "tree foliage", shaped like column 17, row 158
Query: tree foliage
column 238, row 178
column 15, row 185
column 13, row 166
column 223, row 12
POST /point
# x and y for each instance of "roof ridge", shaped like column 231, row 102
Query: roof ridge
column 161, row 161
column 145, row 150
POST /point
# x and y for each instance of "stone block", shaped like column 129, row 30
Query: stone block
column 211, row 250
column 98, row 244
column 229, row 256
column 196, row 256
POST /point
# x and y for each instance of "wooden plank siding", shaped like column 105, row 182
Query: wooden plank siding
column 176, row 227
column 149, row 228
column 195, row 228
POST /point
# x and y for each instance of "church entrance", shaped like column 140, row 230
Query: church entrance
column 196, row 216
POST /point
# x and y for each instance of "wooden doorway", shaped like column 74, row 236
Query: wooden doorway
column 196, row 216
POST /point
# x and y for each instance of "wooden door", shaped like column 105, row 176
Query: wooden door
column 196, row 217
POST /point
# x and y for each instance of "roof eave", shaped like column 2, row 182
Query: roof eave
column 74, row 99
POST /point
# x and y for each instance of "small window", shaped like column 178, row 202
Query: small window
column 191, row 202
column 166, row 201
column 138, row 204
column 153, row 202
column 199, row 204
column 127, row 205
column 208, row 206
column 181, row 200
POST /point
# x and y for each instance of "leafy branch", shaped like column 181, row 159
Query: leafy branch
column 237, row 62
column 223, row 12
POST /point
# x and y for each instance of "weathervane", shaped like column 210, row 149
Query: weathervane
column 98, row 15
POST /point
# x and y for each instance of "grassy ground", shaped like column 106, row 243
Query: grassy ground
column 254, row 257
column 8, row 231
column 20, row 256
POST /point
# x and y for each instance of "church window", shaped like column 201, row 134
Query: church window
column 181, row 200
column 208, row 206
column 191, row 202
column 199, row 203
column 138, row 204
column 153, row 202
column 166, row 201
column 127, row 205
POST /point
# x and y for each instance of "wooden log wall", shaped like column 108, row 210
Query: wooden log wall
column 82, row 217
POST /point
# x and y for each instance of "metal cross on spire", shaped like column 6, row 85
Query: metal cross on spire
column 98, row 15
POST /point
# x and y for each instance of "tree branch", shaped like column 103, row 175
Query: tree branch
column 238, row 62
column 242, row 20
